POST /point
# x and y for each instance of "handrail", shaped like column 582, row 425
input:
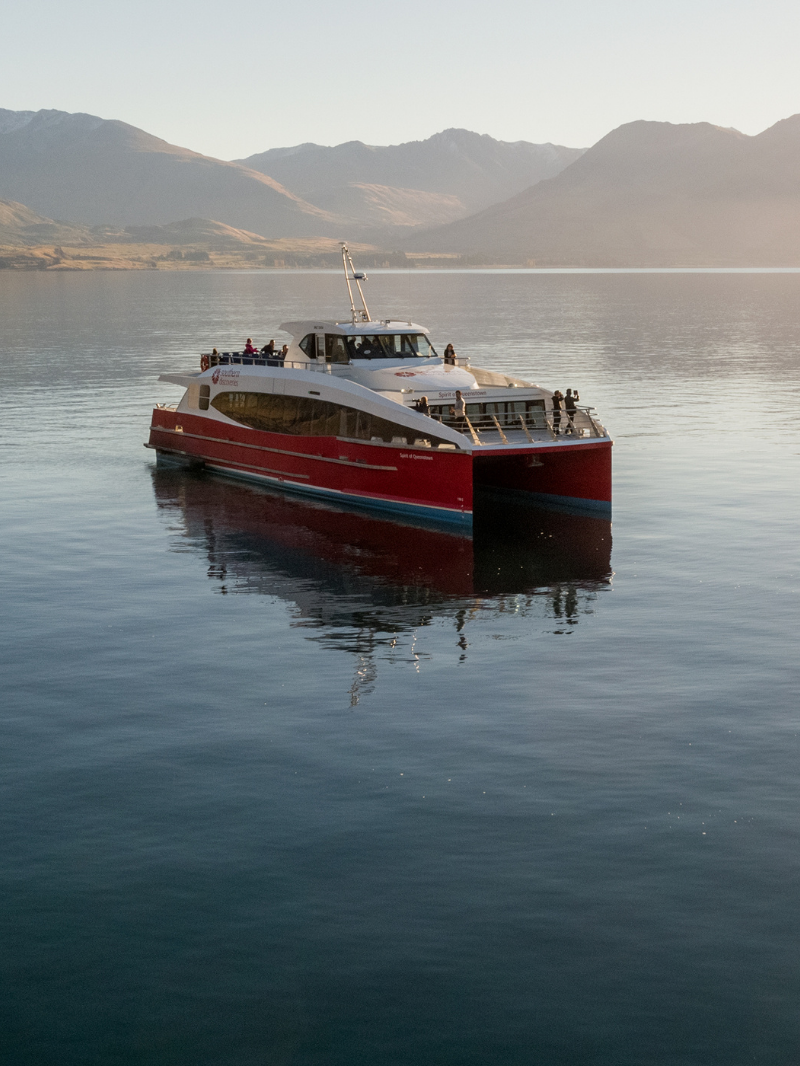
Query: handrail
column 499, row 428
column 475, row 438
column 534, row 421
column 239, row 359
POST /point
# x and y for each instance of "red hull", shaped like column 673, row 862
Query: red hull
column 424, row 482
column 574, row 474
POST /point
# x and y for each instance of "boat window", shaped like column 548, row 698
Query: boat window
column 205, row 393
column 391, row 346
column 308, row 345
column 336, row 349
column 307, row 417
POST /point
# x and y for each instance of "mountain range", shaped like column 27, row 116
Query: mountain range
column 468, row 171
column 651, row 194
column 99, row 171
column 647, row 194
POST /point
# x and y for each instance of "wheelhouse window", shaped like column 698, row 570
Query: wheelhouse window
column 307, row 417
column 308, row 345
column 390, row 346
column 336, row 348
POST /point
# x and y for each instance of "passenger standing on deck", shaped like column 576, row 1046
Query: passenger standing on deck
column 459, row 412
column 283, row 353
column 558, row 397
column 268, row 349
column 571, row 406
column 450, row 355
column 422, row 406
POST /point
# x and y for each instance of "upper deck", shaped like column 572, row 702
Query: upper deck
column 495, row 417
column 395, row 359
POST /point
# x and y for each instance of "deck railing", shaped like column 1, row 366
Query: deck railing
column 530, row 427
column 240, row 359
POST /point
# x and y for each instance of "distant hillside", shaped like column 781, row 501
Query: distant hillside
column 650, row 193
column 192, row 231
column 22, row 228
column 386, row 208
column 475, row 169
column 94, row 171
column 30, row 242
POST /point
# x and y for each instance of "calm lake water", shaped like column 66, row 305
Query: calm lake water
column 284, row 786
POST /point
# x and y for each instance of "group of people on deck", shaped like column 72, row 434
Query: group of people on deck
column 458, row 411
column 562, row 405
column 268, row 351
column 569, row 405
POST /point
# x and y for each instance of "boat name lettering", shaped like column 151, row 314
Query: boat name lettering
column 412, row 455
column 468, row 395
column 227, row 377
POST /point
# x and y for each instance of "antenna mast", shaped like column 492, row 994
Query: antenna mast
column 353, row 275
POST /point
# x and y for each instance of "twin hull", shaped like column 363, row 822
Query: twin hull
column 429, row 483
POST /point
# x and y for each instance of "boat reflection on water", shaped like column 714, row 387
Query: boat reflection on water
column 366, row 585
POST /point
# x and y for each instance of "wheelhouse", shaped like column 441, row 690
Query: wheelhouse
column 343, row 348
column 342, row 343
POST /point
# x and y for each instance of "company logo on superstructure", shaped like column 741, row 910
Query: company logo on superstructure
column 226, row 377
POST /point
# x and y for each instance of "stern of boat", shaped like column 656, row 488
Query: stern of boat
column 572, row 478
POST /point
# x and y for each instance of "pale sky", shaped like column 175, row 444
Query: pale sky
column 238, row 77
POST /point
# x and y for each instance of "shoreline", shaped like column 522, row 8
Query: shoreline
column 46, row 259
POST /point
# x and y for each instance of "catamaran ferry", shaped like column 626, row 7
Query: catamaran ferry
column 367, row 413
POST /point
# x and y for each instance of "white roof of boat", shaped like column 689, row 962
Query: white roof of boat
column 387, row 325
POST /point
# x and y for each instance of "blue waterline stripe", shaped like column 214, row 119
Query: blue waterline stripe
column 547, row 501
column 440, row 516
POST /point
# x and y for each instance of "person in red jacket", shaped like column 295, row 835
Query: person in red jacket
column 249, row 349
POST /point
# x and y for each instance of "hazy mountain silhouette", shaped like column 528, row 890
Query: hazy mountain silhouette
column 101, row 171
column 93, row 170
column 473, row 167
column 651, row 193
